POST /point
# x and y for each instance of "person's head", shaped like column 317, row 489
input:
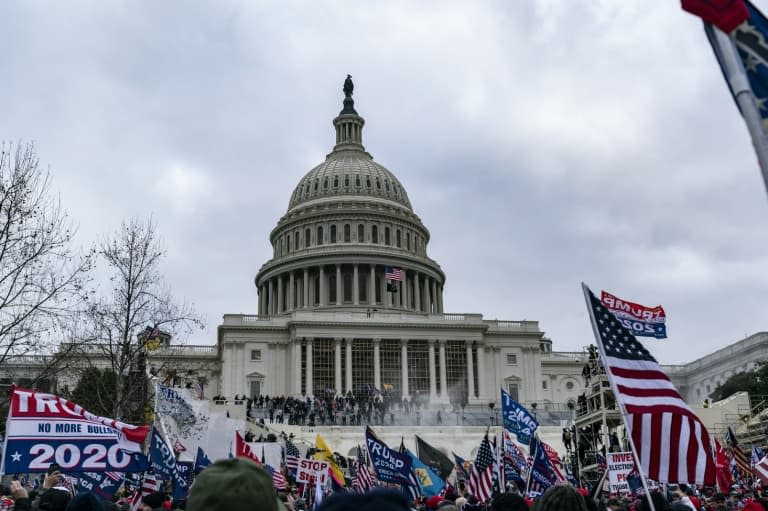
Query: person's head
column 659, row 502
column 86, row 501
column 718, row 501
column 233, row 485
column 377, row 500
column 54, row 500
column 152, row 501
column 561, row 498
column 509, row 502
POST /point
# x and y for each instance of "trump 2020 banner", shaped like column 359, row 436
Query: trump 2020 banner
column 640, row 320
column 390, row 465
column 517, row 420
column 43, row 429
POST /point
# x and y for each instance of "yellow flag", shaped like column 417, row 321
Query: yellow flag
column 324, row 453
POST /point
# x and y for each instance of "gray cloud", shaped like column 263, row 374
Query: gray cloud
column 542, row 143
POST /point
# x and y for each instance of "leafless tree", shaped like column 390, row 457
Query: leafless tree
column 42, row 277
column 138, row 301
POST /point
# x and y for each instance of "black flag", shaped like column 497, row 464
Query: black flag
column 431, row 456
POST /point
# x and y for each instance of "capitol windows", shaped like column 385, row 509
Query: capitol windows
column 357, row 181
column 408, row 241
column 456, row 371
column 333, row 234
column 378, row 184
column 335, row 182
column 255, row 355
column 544, row 384
column 288, row 243
column 296, row 240
column 360, row 232
column 347, row 287
column 347, row 234
column 325, row 183
column 386, row 184
column 307, row 237
column 319, row 234
column 387, row 240
column 317, row 184
column 374, row 234
column 511, row 359
column 367, row 182
column 346, row 181
column 398, row 240
column 513, row 391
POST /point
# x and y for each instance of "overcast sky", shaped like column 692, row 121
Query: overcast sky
column 542, row 143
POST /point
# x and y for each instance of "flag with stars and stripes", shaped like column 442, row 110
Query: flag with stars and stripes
column 278, row 479
column 292, row 456
column 542, row 474
column 364, row 478
column 741, row 463
column 757, row 455
column 672, row 443
column 149, row 484
column 481, row 476
column 394, row 274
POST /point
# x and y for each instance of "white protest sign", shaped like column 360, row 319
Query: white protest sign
column 309, row 470
column 619, row 465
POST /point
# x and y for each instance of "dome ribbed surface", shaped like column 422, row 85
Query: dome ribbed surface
column 349, row 173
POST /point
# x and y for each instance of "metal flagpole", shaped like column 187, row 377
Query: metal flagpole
column 624, row 414
column 737, row 78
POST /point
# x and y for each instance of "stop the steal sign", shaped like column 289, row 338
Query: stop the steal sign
column 309, row 471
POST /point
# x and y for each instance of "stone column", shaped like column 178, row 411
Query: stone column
column 443, row 378
column 433, row 294
column 339, row 287
column 306, row 288
column 432, row 371
column 323, row 294
column 291, row 291
column 440, row 299
column 404, row 365
column 386, row 296
column 481, row 376
column 355, row 285
column 404, row 299
column 417, row 292
column 377, row 363
column 310, row 383
column 372, row 286
column 261, row 300
column 337, row 364
column 297, row 367
column 271, row 303
column 470, row 373
column 349, row 364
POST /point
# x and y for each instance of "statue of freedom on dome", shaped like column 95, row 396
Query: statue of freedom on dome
column 348, row 86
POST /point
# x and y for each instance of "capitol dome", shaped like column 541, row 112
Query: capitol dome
column 349, row 238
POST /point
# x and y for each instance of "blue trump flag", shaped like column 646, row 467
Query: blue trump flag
column 390, row 465
column 101, row 484
column 164, row 465
column 542, row 474
column 430, row 483
column 517, row 420
column 201, row 460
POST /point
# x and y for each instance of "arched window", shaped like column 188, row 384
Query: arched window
column 346, row 180
column 378, row 184
column 288, row 244
column 319, row 234
column 325, row 183
column 398, row 239
column 347, row 287
column 387, row 239
column 357, row 181
column 296, row 240
column 367, row 182
column 335, row 182
column 360, row 233
column 408, row 241
column 374, row 234
column 333, row 234
column 347, row 233
column 386, row 184
column 307, row 237
column 317, row 183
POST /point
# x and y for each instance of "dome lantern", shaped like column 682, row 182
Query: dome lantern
column 348, row 124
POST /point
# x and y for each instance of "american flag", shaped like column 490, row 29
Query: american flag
column 481, row 477
column 672, row 443
column 364, row 478
column 743, row 468
column 292, row 456
column 761, row 470
column 278, row 479
column 391, row 273
column 150, row 484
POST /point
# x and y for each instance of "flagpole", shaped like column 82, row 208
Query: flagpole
column 624, row 414
column 737, row 78
column 530, row 470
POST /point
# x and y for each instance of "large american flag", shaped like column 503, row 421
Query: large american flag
column 761, row 470
column 481, row 477
column 391, row 273
column 278, row 479
column 742, row 465
column 672, row 443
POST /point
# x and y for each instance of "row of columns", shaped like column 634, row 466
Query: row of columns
column 427, row 291
column 405, row 391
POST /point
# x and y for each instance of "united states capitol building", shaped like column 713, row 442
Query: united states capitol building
column 351, row 301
